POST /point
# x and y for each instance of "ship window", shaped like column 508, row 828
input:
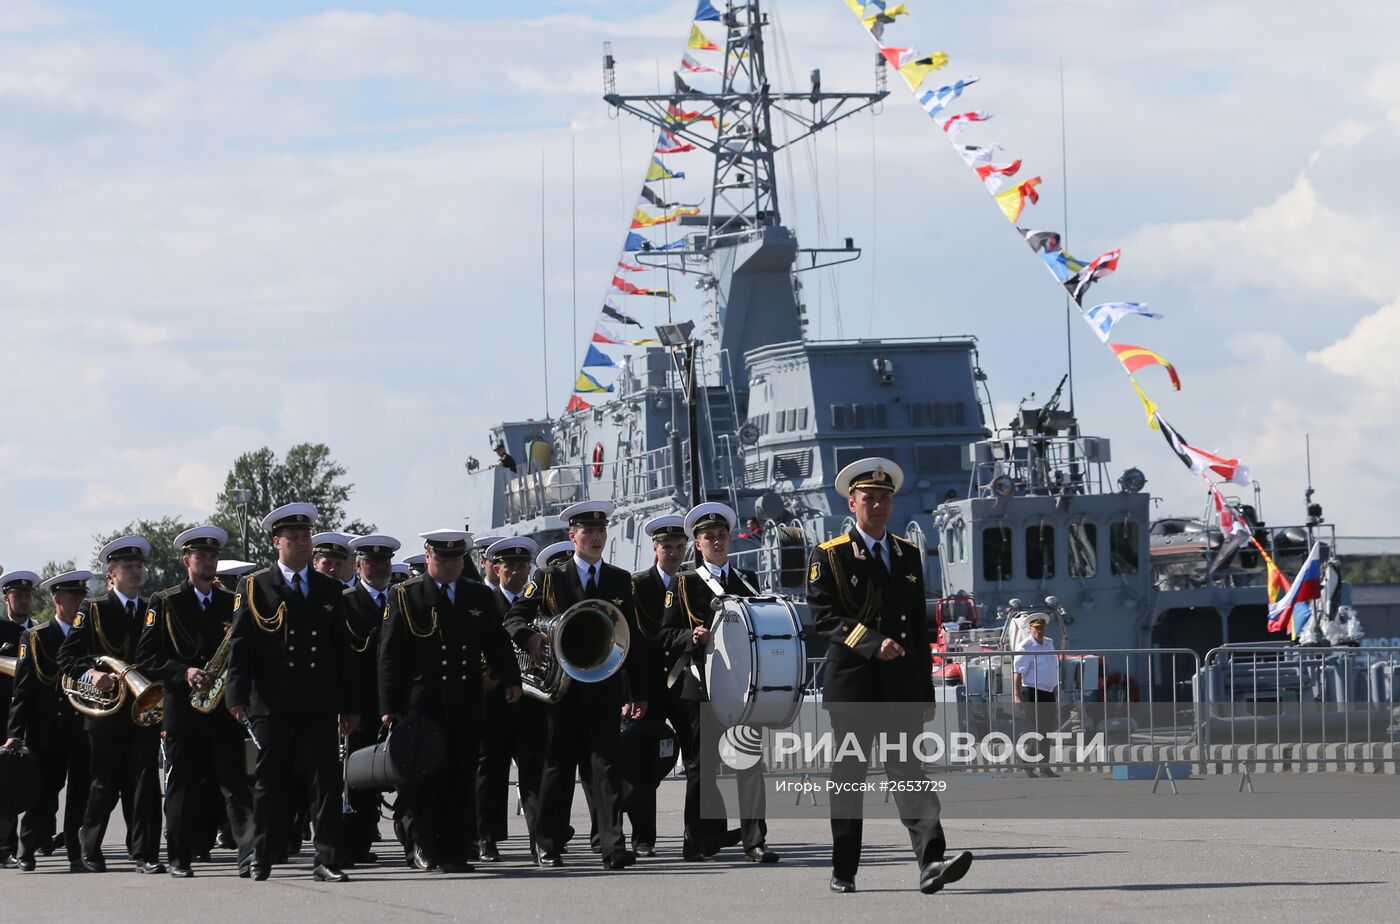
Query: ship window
column 1040, row 551
column 996, row 553
column 764, row 425
column 1083, row 550
column 802, row 419
column 1123, row 547
column 959, row 413
column 878, row 412
column 953, row 545
column 791, row 415
column 838, row 417
column 858, row 415
column 936, row 412
column 781, row 420
column 915, row 410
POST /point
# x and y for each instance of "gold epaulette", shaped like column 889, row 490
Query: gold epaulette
column 900, row 539
column 833, row 543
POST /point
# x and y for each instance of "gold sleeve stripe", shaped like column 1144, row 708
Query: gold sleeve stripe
column 856, row 635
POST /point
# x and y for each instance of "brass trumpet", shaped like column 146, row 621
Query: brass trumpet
column 8, row 666
column 146, row 697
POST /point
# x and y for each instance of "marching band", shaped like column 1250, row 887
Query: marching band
column 266, row 693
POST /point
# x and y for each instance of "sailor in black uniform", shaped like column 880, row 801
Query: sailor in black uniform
column 583, row 727
column 185, row 626
column 668, row 542
column 330, row 555
column 365, row 606
column 124, row 753
column 866, row 594
column 17, row 608
column 291, row 672
column 509, row 731
column 686, row 633
column 438, row 629
column 42, row 719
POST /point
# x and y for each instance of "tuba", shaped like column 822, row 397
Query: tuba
column 146, row 697
column 587, row 642
column 206, row 700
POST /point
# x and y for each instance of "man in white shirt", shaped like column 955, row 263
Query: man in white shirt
column 1037, row 676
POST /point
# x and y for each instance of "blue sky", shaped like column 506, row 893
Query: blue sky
column 232, row 224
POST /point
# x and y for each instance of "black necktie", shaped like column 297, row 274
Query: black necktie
column 445, row 595
column 591, row 587
column 296, row 583
column 379, row 599
column 131, row 609
column 876, row 551
column 204, row 604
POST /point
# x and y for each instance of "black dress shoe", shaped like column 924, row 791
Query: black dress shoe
column 181, row 872
column 154, row 868
column 488, row 852
column 10, row 863
column 54, row 843
column 645, row 850
column 95, row 864
column 26, row 864
column 1030, row 772
column 225, row 841
column 761, row 854
column 1046, row 771
column 842, row 885
column 939, row 873
column 422, row 861
column 620, row 860
column 367, row 858
column 551, row 861
column 456, row 866
column 245, row 872
column 323, row 873
column 77, row 866
column 260, row 873
column 202, row 857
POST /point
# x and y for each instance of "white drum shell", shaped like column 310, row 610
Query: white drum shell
column 756, row 662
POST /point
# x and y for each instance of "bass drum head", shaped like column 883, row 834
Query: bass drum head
column 729, row 662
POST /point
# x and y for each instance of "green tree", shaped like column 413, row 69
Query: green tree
column 43, row 600
column 163, row 567
column 307, row 473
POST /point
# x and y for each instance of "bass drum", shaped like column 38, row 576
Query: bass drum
column 756, row 662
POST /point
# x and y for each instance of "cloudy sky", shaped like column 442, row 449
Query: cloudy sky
column 232, row 224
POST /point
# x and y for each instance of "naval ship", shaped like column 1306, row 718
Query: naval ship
column 739, row 405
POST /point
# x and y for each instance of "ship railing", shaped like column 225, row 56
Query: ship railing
column 1246, row 567
column 648, row 475
column 1045, row 466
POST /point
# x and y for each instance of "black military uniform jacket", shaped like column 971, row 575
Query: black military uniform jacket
column 856, row 608
column 40, row 715
column 363, row 618
column 102, row 627
column 650, row 592
column 553, row 590
column 430, row 651
column 179, row 634
column 291, row 653
column 10, row 633
column 688, row 606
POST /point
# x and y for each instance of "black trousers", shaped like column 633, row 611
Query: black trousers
column 705, row 812
column 1039, row 713
column 124, row 769
column 296, row 747
column 582, row 738
column 359, row 828
column 70, row 764
column 194, row 763
column 442, row 811
column 917, row 809
column 509, row 732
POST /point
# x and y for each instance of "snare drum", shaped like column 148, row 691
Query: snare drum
column 756, row 661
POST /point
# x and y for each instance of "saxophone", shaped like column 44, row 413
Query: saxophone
column 207, row 699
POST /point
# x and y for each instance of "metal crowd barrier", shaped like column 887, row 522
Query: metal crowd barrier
column 1239, row 708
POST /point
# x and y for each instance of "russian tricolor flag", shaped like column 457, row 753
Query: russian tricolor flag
column 1294, row 608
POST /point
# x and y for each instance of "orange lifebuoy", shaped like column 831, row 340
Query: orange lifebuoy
column 597, row 460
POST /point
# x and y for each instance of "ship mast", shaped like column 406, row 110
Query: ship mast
column 744, row 193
